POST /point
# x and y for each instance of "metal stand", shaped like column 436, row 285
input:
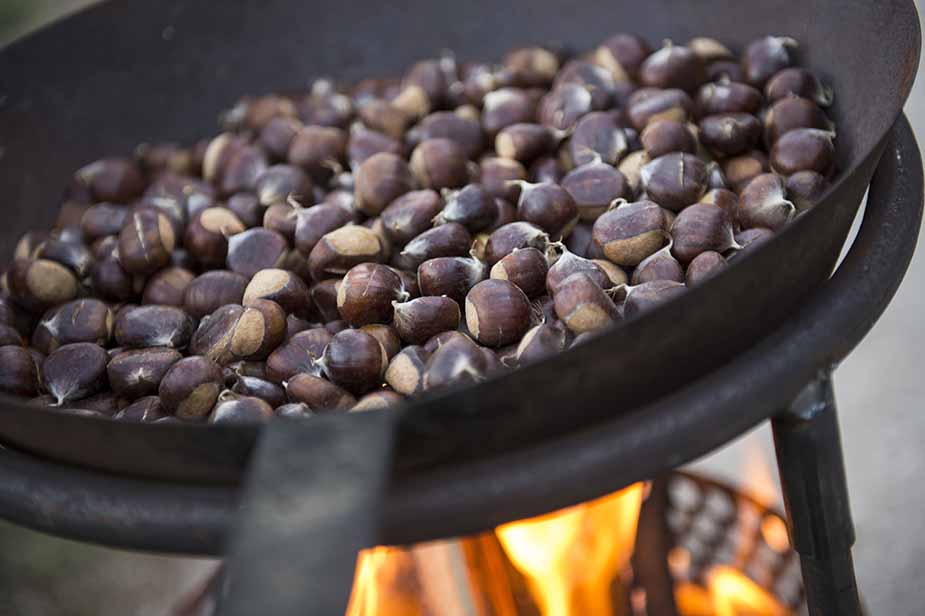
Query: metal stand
column 812, row 473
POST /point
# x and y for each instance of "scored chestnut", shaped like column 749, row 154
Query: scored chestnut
column 81, row 320
column 675, row 180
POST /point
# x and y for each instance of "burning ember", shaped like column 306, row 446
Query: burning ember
column 731, row 557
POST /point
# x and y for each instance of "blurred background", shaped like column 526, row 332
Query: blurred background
column 879, row 390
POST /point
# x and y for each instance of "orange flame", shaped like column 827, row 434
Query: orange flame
column 735, row 595
column 385, row 584
column 571, row 557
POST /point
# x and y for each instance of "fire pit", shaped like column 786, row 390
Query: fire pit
column 543, row 438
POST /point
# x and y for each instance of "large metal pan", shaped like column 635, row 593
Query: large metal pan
column 130, row 71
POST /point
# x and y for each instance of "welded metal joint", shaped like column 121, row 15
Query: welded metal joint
column 812, row 474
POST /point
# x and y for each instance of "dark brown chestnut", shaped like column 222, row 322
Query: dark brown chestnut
column 438, row 163
column 384, row 117
column 81, row 320
column 419, row 319
column 800, row 82
column 646, row 296
column 233, row 409
column 630, row 232
column 497, row 313
column 211, row 290
column 465, row 132
column 145, row 242
column 568, row 263
column 234, row 333
column 740, row 170
column 110, row 282
column 207, row 235
column 143, row 410
column 324, row 297
column 673, row 66
column 138, row 372
column 247, row 208
column 38, row 284
column 457, row 361
column 102, row 219
column 763, row 203
column 318, row 393
column 311, row 224
column 803, row 149
column 473, row 207
column 564, row 106
column 117, row 180
column 525, row 142
column 450, row 276
column 728, row 97
column 405, row 373
column 547, row 169
column 377, row 400
column 622, row 54
column 542, row 341
column 703, row 266
column 167, row 286
column 341, row 249
column 548, row 206
column 366, row 293
column 20, row 375
column 596, row 135
column 605, row 91
column 447, row 240
column 380, row 180
column 582, row 305
column 75, row 371
column 805, row 189
column 278, row 183
column 729, row 134
column 520, row 234
column 662, row 137
column 496, row 175
column 526, row 268
column 191, row 387
column 593, row 187
column 387, row 336
column 530, row 67
column 153, row 326
column 504, row 107
column 280, row 286
column 271, row 393
column 675, row 181
column 319, row 151
column 650, row 104
column 325, row 106
column 764, row 57
column 277, row 135
column 299, row 354
column 355, row 361
column 410, row 215
column 750, row 239
column 699, row 228
column 364, row 143
column 660, row 265
column 790, row 114
column 254, row 250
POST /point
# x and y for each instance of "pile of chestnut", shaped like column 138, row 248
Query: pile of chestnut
column 350, row 247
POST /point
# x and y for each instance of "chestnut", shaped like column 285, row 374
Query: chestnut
column 410, row 215
column 531, row 67
column 117, row 180
column 497, row 312
column 151, row 326
column 593, row 187
column 525, row 142
column 438, row 163
column 277, row 135
column 9, row 336
column 143, row 410
column 384, row 117
column 377, row 400
column 725, row 199
column 442, row 338
column 790, row 114
column 496, row 175
column 277, row 183
column 138, row 372
column 103, row 219
column 207, row 235
column 728, row 97
column 38, row 284
column 542, row 341
column 319, row 151
column 701, row 227
column 506, row 238
column 646, row 296
column 233, row 165
column 650, row 104
column 457, row 361
column 548, row 206
column 280, row 286
column 167, row 287
column 299, row 354
column 709, row 49
column 325, row 106
column 506, row 106
column 660, row 265
column 473, row 207
column 405, row 373
column 596, row 135
column 235, row 332
column 367, row 292
column 111, row 282
column 631, row 168
column 615, row 274
column 447, row 240
column 729, row 134
column 703, row 266
column 323, row 295
column 742, row 169
column 465, row 132
column 547, row 169
column 283, row 218
column 582, row 305
column 450, row 276
column 564, row 106
column 313, row 223
column 630, row 232
column 191, row 387
column 764, row 57
column 294, row 410
column 211, row 290
column 622, row 54
column 605, row 91
column 749, row 239
column 318, row 393
column 341, row 249
column 15, row 316
column 763, row 203
column 805, row 189
column 380, row 180
column 524, row 267
column 81, row 320
column 254, row 250
column 662, row 137
column 20, row 375
column 74, row 371
column 234, row 409
column 387, row 336
column 271, row 393
column 105, row 404
column 354, row 360
column 419, row 319
column 675, row 181
column 364, row 143
column 803, row 149
column 673, row 66
column 797, row 82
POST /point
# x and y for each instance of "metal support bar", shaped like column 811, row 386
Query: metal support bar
column 812, row 474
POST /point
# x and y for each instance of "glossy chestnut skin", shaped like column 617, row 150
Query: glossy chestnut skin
column 506, row 106
column 455, row 362
column 465, row 132
column 313, row 223
column 380, row 180
column 568, row 263
column 675, row 180
column 790, row 114
column 764, row 57
column 649, row 104
column 729, row 134
column 20, row 375
column 439, row 163
column 662, row 137
column 355, row 361
column 191, row 387
column 299, row 354
column 660, row 265
column 341, row 249
column 548, row 206
column 704, row 266
column 234, row 333
column 153, row 326
column 212, row 290
column 803, row 149
column 593, row 187
column 497, row 176
column 405, row 373
column 649, row 295
column 254, row 250
column 39, row 284
column 497, row 313
column 511, row 236
column 763, row 203
column 673, row 66
column 168, row 287
column 699, row 228
column 74, row 371
column 318, row 393
column 237, row 410
column 630, row 232
column 366, row 293
column 117, row 180
column 81, row 320
column 206, row 237
column 419, row 319
column 526, row 268
column 138, row 372
column 450, row 276
column 473, row 207
column 797, row 82
column 447, row 240
column 582, row 305
column 143, row 410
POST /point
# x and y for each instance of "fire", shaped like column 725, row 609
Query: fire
column 385, row 584
column 734, row 594
column 571, row 557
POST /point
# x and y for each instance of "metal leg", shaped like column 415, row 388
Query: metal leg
column 812, row 473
